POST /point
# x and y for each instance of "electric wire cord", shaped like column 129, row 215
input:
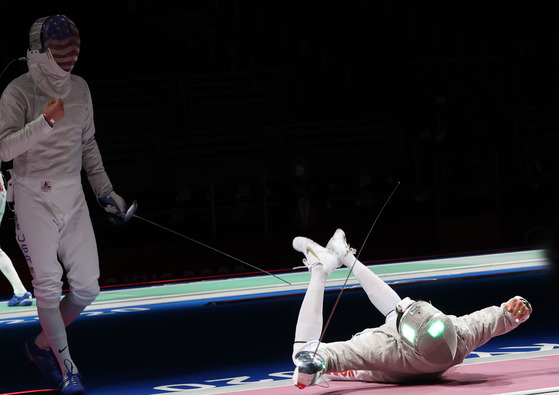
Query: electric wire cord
column 21, row 59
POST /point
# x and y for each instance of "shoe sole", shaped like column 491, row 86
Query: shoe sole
column 301, row 243
column 339, row 234
column 25, row 302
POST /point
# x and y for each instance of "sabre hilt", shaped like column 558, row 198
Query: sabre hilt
column 117, row 209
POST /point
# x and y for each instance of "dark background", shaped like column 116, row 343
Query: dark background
column 204, row 108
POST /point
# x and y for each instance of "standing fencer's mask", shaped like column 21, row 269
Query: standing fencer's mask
column 430, row 332
column 59, row 35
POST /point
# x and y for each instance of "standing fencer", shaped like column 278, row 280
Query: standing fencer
column 47, row 129
column 417, row 343
column 21, row 296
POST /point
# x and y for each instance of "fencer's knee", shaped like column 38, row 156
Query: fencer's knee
column 47, row 293
column 46, row 301
column 84, row 296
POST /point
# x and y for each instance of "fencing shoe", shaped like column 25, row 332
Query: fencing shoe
column 25, row 300
column 45, row 361
column 315, row 254
column 339, row 245
column 72, row 382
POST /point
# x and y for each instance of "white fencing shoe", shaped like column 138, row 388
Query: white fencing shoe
column 339, row 245
column 315, row 254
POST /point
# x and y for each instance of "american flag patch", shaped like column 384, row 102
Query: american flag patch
column 61, row 36
column 45, row 186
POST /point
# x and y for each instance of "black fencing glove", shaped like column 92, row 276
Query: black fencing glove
column 115, row 206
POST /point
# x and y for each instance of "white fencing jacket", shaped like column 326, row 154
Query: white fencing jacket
column 37, row 151
column 380, row 354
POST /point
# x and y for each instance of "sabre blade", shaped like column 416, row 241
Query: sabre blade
column 208, row 246
column 351, row 269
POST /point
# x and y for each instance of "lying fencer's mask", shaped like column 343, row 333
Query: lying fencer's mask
column 430, row 332
column 60, row 36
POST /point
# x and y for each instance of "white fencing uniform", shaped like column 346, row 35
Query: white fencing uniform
column 52, row 218
column 6, row 264
column 381, row 355
column 51, row 212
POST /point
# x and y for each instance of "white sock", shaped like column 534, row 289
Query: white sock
column 54, row 331
column 309, row 322
column 7, row 267
column 381, row 295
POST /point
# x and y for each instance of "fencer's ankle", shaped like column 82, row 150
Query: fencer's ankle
column 42, row 342
column 318, row 270
column 350, row 260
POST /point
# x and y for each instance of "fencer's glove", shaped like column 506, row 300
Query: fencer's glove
column 115, row 207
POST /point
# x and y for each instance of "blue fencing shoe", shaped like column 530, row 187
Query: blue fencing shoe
column 45, row 361
column 25, row 300
column 72, row 382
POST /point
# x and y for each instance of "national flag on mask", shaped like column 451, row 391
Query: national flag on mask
column 61, row 36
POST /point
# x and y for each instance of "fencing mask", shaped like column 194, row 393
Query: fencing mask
column 58, row 34
column 430, row 332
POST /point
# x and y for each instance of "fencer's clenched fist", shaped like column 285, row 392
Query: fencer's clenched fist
column 519, row 307
column 54, row 110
